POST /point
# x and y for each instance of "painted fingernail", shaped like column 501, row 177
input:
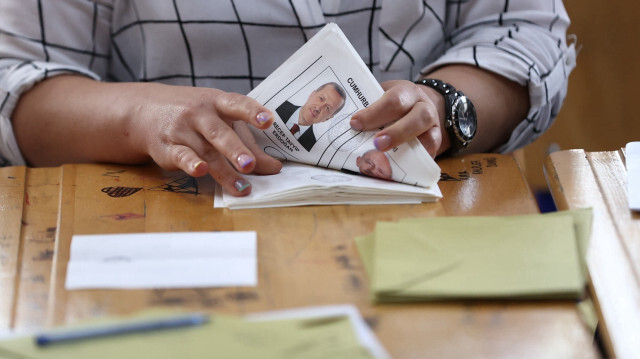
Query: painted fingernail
column 242, row 184
column 382, row 142
column 244, row 160
column 356, row 124
column 263, row 117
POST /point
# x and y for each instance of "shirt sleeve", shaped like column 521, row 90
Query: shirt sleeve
column 40, row 39
column 525, row 43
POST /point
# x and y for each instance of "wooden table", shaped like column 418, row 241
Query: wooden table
column 313, row 263
column 580, row 179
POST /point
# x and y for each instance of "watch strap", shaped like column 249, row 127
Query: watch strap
column 442, row 87
column 450, row 95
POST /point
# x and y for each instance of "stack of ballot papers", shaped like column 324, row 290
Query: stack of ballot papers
column 328, row 65
column 318, row 153
column 299, row 185
column 316, row 332
column 328, row 62
column 515, row 257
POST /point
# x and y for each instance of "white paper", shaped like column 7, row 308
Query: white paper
column 329, row 58
column 299, row 184
column 632, row 159
column 365, row 336
column 162, row 260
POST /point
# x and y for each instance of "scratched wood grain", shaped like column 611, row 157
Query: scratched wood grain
column 39, row 227
column 580, row 179
column 92, row 198
column 12, row 182
column 306, row 256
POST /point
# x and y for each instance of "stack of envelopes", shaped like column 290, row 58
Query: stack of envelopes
column 515, row 257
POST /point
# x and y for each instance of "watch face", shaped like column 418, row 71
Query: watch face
column 466, row 118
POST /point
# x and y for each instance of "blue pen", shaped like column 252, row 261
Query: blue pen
column 123, row 328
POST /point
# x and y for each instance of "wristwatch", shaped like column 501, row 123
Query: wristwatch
column 460, row 115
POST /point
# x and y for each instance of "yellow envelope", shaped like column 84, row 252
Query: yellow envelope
column 441, row 258
column 582, row 222
column 222, row 337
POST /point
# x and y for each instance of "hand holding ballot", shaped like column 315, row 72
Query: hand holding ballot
column 314, row 94
column 410, row 113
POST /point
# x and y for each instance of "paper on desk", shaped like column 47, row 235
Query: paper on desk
column 222, row 336
column 364, row 334
column 473, row 257
column 632, row 159
column 300, row 184
column 162, row 260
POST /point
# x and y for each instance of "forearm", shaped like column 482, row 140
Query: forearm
column 76, row 119
column 500, row 104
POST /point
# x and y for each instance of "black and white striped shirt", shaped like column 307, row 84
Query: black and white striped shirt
column 234, row 44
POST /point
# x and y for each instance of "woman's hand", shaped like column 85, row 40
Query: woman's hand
column 192, row 129
column 68, row 119
column 412, row 110
column 407, row 110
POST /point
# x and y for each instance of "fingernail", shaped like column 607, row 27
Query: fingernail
column 198, row 165
column 242, row 184
column 263, row 117
column 244, row 160
column 356, row 125
column 382, row 142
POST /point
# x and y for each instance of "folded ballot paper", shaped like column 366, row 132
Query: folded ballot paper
column 443, row 258
column 300, row 184
column 163, row 260
column 313, row 96
column 314, row 332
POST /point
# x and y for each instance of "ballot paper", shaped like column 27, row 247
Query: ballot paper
column 305, row 333
column 300, row 132
column 162, row 260
column 632, row 159
column 299, row 184
column 443, row 258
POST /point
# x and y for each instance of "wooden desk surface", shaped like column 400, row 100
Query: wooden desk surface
column 314, row 262
column 580, row 179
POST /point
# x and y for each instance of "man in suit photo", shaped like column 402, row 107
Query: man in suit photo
column 321, row 105
column 374, row 163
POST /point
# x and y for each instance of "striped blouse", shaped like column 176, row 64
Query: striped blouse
column 234, row 44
